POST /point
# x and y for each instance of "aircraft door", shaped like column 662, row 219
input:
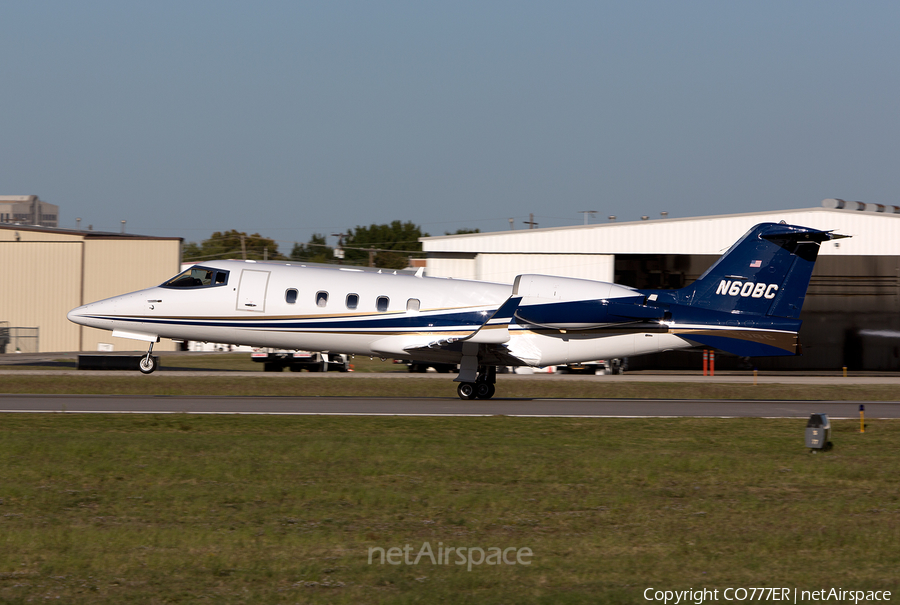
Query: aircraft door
column 252, row 290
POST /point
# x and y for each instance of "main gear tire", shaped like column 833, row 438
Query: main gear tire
column 466, row 390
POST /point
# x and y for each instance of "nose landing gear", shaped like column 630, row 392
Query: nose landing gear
column 148, row 363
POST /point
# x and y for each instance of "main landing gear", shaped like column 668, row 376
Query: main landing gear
column 483, row 387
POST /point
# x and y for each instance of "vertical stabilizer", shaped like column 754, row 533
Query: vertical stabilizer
column 765, row 273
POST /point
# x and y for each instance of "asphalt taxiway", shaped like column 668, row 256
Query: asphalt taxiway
column 451, row 406
column 375, row 406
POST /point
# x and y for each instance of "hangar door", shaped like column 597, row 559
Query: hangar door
column 39, row 284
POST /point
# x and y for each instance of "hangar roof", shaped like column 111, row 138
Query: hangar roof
column 35, row 232
column 873, row 232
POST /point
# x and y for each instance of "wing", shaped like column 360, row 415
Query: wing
column 492, row 335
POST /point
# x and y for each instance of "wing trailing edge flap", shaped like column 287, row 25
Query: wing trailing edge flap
column 494, row 331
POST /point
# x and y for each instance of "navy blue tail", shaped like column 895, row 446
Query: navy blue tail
column 764, row 273
column 748, row 303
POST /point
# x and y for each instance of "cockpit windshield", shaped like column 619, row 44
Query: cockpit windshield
column 198, row 277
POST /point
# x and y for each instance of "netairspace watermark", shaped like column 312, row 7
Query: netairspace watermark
column 462, row 555
column 793, row 595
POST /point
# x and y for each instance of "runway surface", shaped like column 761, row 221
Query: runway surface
column 831, row 378
column 359, row 406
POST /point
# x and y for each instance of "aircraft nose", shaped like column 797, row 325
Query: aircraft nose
column 106, row 313
column 95, row 314
column 78, row 315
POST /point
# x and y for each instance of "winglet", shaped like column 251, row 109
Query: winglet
column 496, row 329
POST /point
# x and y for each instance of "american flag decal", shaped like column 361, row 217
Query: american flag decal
column 756, row 263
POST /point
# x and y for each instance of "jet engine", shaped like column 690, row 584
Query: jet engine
column 568, row 303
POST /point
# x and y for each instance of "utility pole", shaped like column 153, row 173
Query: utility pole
column 243, row 248
column 530, row 222
column 586, row 213
column 339, row 251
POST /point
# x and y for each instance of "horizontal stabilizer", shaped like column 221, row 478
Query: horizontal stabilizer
column 745, row 343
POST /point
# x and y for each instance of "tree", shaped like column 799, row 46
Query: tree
column 315, row 251
column 191, row 251
column 389, row 245
column 228, row 245
column 462, row 231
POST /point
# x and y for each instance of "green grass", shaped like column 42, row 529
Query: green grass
column 224, row 362
column 242, row 362
column 242, row 509
column 294, row 385
column 170, row 380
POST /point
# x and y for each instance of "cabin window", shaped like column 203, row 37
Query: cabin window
column 290, row 296
column 412, row 304
column 321, row 298
column 352, row 301
column 198, row 277
column 381, row 304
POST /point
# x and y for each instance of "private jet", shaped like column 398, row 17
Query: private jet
column 748, row 303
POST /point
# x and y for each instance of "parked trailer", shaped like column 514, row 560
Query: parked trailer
column 420, row 367
column 600, row 366
column 276, row 360
column 4, row 336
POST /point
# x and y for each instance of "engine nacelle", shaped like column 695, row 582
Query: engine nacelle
column 568, row 303
column 550, row 287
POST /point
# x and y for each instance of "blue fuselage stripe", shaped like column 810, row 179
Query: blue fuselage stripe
column 437, row 322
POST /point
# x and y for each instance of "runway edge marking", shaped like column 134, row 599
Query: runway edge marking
column 448, row 415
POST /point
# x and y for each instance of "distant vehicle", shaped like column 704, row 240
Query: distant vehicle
column 420, row 367
column 600, row 366
column 4, row 336
column 276, row 360
column 214, row 347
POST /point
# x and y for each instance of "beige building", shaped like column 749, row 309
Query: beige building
column 28, row 210
column 48, row 272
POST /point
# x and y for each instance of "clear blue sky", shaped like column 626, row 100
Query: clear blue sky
column 288, row 118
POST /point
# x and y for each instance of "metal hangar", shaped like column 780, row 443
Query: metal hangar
column 852, row 310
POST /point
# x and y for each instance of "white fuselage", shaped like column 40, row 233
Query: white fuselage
column 344, row 310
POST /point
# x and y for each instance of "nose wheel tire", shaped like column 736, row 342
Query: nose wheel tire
column 147, row 364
